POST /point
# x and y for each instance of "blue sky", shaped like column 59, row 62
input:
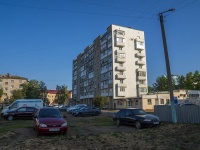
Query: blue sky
column 40, row 38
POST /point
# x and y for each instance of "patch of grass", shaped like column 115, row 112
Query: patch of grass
column 96, row 121
column 6, row 126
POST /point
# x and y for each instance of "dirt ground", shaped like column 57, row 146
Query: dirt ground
column 90, row 137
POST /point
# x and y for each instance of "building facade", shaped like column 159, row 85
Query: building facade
column 113, row 66
column 9, row 83
column 51, row 95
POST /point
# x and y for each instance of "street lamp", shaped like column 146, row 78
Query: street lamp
column 173, row 111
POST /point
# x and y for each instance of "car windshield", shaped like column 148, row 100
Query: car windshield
column 49, row 113
column 139, row 112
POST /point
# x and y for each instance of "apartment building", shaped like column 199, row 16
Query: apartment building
column 113, row 66
column 9, row 83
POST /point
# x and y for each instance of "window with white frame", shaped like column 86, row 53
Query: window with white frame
column 121, row 40
column 122, row 89
column 149, row 102
column 121, row 55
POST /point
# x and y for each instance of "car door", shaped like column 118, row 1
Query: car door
column 129, row 117
column 122, row 115
column 29, row 112
column 20, row 113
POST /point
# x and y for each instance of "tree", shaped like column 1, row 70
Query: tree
column 31, row 90
column 43, row 91
column 1, row 93
column 62, row 94
column 17, row 94
column 196, row 78
column 100, row 101
column 161, row 84
column 189, row 81
column 181, row 82
column 150, row 89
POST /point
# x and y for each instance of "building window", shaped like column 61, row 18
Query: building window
column 129, row 103
column 120, row 48
column 121, row 81
column 6, row 89
column 149, row 102
column 162, row 101
column 20, row 81
column 121, row 55
column 6, row 83
column 0, row 80
column 122, row 89
column 121, row 40
column 136, row 102
column 12, row 86
column 12, row 81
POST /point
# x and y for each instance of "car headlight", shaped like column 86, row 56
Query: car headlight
column 147, row 119
column 64, row 124
column 43, row 125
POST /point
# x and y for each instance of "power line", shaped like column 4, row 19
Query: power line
column 132, row 10
column 64, row 10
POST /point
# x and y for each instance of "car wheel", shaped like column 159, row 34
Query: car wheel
column 118, row 122
column 138, row 125
column 10, row 118
column 96, row 113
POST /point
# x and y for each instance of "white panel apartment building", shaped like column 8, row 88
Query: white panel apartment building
column 113, row 66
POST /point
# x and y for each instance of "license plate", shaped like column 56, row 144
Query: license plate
column 156, row 123
column 54, row 129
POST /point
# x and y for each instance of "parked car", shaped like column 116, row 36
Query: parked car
column 76, row 107
column 135, row 116
column 49, row 120
column 20, row 113
column 88, row 111
column 64, row 108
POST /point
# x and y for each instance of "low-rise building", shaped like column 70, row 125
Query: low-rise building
column 51, row 95
column 9, row 83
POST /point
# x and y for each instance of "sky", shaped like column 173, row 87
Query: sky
column 40, row 38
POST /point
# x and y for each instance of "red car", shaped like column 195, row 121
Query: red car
column 49, row 120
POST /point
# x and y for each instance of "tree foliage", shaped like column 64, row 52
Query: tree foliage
column 189, row 82
column 1, row 92
column 62, row 94
column 33, row 89
column 161, row 84
column 100, row 101
column 17, row 94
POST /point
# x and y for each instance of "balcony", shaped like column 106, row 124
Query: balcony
column 142, row 85
column 139, row 62
column 121, row 94
column 119, row 44
column 140, row 55
column 141, row 77
column 118, row 59
column 121, row 85
column 141, row 70
column 139, row 44
column 121, row 76
column 120, row 68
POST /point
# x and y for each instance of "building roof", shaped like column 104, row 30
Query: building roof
column 52, row 91
column 9, row 76
column 55, row 91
